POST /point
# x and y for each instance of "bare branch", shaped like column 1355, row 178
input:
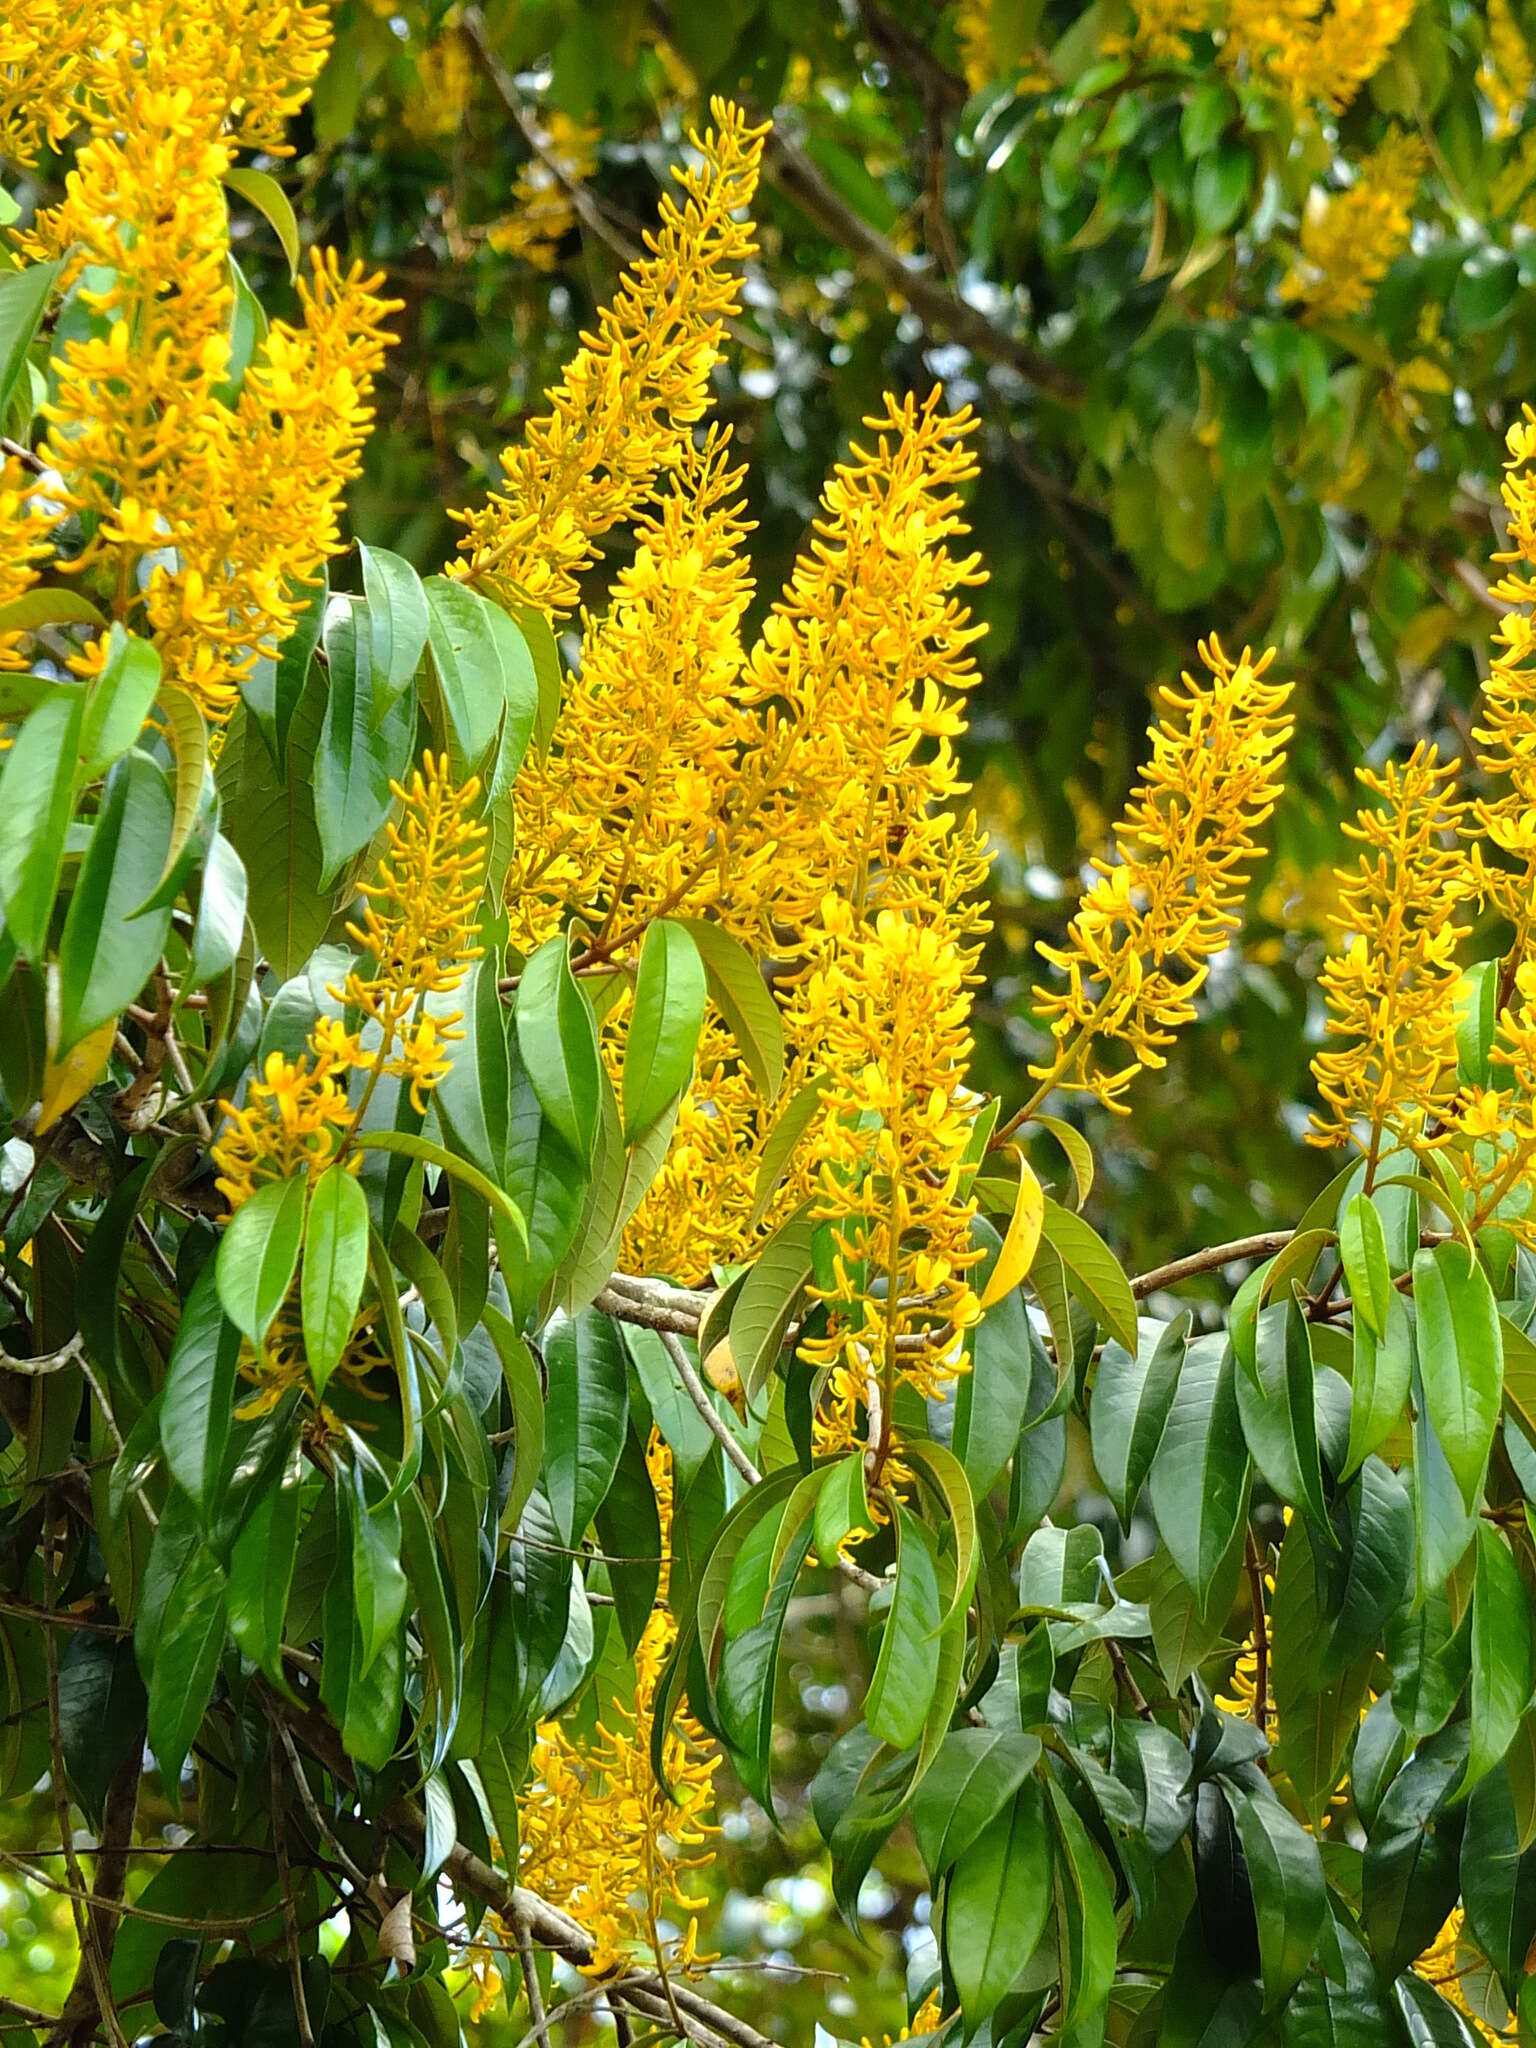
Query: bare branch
column 1263, row 1245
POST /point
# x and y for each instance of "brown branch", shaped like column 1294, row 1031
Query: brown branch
column 18, row 452
column 1262, row 1245
column 938, row 87
column 306, row 2031
column 111, row 1874
column 929, row 297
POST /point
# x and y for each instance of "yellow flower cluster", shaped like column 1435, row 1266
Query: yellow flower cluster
column 1140, row 946
column 598, row 1835
column 1391, row 988
column 440, row 92
column 1349, row 240
column 203, row 511
column 1504, row 812
column 1441, row 1965
column 543, row 212
column 1309, row 53
column 24, row 532
column 1163, row 28
column 1507, row 72
column 1498, row 1123
column 803, row 794
column 626, row 407
column 417, row 928
column 67, row 61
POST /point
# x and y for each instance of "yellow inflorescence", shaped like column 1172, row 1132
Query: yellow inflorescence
column 25, row 525
column 1441, row 1965
column 599, row 1836
column 1309, row 53
column 1392, row 985
column 630, row 398
column 1507, row 71
column 1350, row 239
column 205, row 508
column 543, row 210
column 1505, row 811
column 418, row 928
column 1140, row 947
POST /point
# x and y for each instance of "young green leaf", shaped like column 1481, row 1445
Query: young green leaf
column 1363, row 1251
column 258, row 1255
column 664, row 1025
column 902, row 1686
column 335, row 1267
column 37, row 786
column 1461, row 1358
column 557, row 1038
column 119, row 701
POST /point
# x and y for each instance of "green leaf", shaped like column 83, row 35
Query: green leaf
column 1383, row 1372
column 379, row 1585
column 992, row 1399
column 1428, row 2019
column 259, row 1255
column 1199, row 1477
column 411, row 1146
column 107, row 951
column 549, row 1184
column 362, row 751
column 842, row 1506
column 557, row 1037
column 37, row 785
column 473, row 1097
column 24, row 297
column 545, row 654
column 273, row 689
column 58, row 605
column 397, row 620
column 744, row 1689
column 197, row 1400
column 975, row 1774
column 586, row 1416
column 1503, row 1662
column 119, row 701
column 769, row 1298
column 219, row 928
column 1498, row 1882
column 1085, row 1914
column 1363, row 1251
column 261, row 190
column 1093, row 1270
column 101, row 1713
column 261, row 1572
column 1285, row 1872
column 1277, row 1406
column 335, row 1267
column 1132, row 1394
column 269, row 819
column 664, row 1024
column 186, row 1662
column 743, row 999
column 996, row 1903
column 793, row 1122
column 1461, row 1358
column 1476, row 1021
column 957, row 1517
column 896, row 1705
column 629, row 1527
column 483, row 670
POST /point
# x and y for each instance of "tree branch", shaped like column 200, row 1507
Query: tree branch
column 1262, row 1245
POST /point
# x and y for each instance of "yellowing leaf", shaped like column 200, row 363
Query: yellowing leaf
column 1021, row 1238
column 76, row 1074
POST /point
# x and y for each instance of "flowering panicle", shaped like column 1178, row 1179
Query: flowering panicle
column 1162, row 28
column 417, row 927
column 1392, row 984
column 1349, row 240
column 1507, row 71
column 631, row 396
column 1308, row 53
column 1442, row 1966
column 1139, row 949
column 543, row 211
column 625, row 817
column 442, row 88
column 1504, row 813
column 599, row 1836
column 207, row 508
column 25, row 524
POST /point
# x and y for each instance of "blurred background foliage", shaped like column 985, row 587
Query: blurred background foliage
column 1240, row 368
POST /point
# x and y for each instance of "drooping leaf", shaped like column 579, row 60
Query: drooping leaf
column 1093, row 1270
column 258, row 1255
column 1132, row 1395
column 1285, row 1872
column 1363, row 1253
column 1019, row 1239
column 108, row 949
column 586, row 1416
column 741, row 996
column 1199, row 1476
column 557, row 1038
column 198, row 1396
column 1461, row 1359
column 1503, row 1659
column 664, row 1024
column 335, row 1267
column 397, row 619
column 1277, row 1405
column 902, row 1686
column 975, row 1774
column 997, row 1901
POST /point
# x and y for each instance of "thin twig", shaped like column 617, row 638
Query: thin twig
column 695, row 1389
column 531, row 1985
column 1262, row 1245
column 312, row 1808
column 285, row 1892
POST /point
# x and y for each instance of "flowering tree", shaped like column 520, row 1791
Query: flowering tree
column 496, row 1203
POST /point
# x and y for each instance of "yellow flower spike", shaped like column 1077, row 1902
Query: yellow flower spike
column 1350, row 239
column 1309, row 53
column 1392, row 983
column 1139, row 948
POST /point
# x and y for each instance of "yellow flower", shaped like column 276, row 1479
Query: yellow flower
column 1506, row 73
column 1163, row 27
column 1308, row 54
column 1506, row 736
column 1441, row 1965
column 1391, row 986
column 1349, row 240
column 543, row 211
column 440, row 93
column 26, row 521
column 1139, row 949
column 629, row 400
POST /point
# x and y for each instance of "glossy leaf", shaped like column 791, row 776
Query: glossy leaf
column 586, row 1416
column 1503, row 1660
column 1277, row 1404
column 557, row 1038
column 1461, row 1359
column 1363, row 1252
column 1093, row 1270
column 1285, row 1872
column 258, row 1255
column 896, row 1705
column 36, row 792
column 335, row 1267
column 664, row 1024
column 975, row 1774
column 1199, row 1477
column 997, row 1901
column 199, row 1392
column 1132, row 1394
column 740, row 994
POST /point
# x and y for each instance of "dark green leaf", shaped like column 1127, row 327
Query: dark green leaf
column 1277, row 1405
column 902, row 1686
column 742, row 997
column 483, row 669
column 1285, row 1873
column 186, row 1662
column 1503, row 1667
column 108, row 951
column 1131, row 1399
column 586, row 1416
column 198, row 1397
column 1199, row 1477
column 975, row 1774
column 1093, row 1271
column 557, row 1037
column 36, row 793
column 997, row 1901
